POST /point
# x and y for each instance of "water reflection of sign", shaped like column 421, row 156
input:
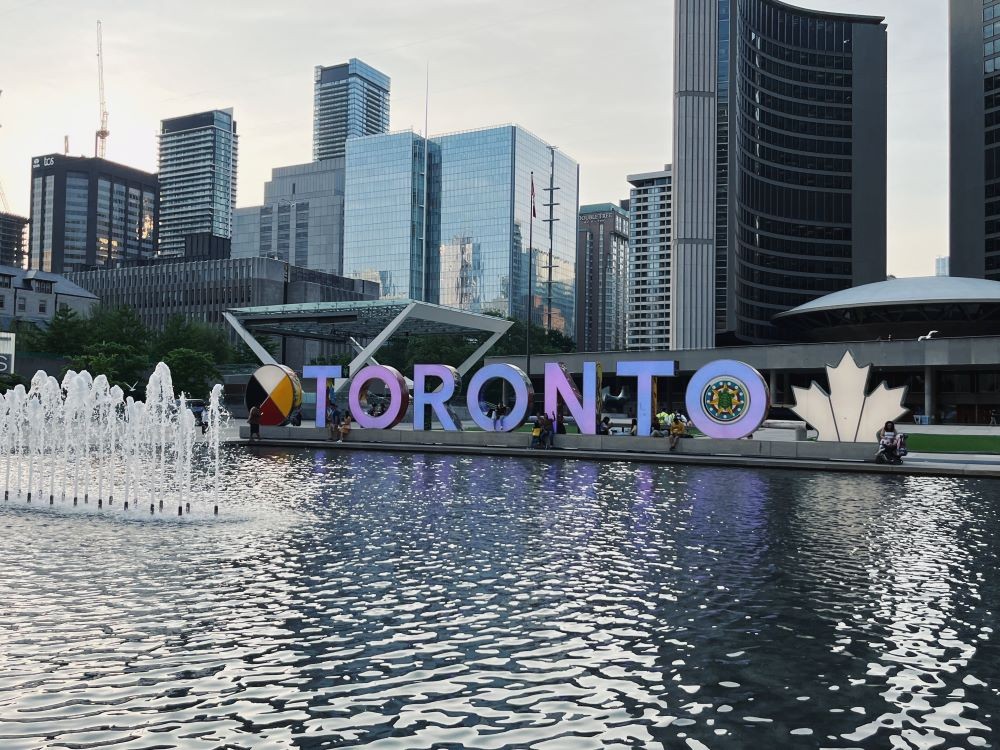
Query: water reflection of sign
column 6, row 353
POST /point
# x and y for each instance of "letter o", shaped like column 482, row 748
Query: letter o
column 524, row 396
column 399, row 397
column 727, row 400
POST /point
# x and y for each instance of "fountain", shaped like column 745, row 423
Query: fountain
column 60, row 438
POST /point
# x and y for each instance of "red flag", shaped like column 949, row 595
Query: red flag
column 533, row 214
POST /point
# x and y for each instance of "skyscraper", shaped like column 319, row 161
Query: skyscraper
column 650, row 219
column 467, row 244
column 601, row 277
column 779, row 163
column 90, row 213
column 197, row 177
column 349, row 100
column 301, row 220
column 12, row 228
column 974, row 83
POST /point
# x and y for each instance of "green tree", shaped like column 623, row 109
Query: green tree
column 243, row 355
column 118, row 325
column 193, row 372
column 180, row 333
column 10, row 380
column 67, row 335
column 122, row 364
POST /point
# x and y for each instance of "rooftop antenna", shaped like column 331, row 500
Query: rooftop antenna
column 101, row 136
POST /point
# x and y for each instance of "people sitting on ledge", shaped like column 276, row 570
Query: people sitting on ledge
column 604, row 427
column 345, row 427
column 633, row 429
column 677, row 431
column 656, row 428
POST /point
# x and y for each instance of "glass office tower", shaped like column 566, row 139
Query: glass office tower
column 601, row 277
column 349, row 101
column 90, row 213
column 779, row 163
column 197, row 177
column 974, row 91
column 384, row 214
column 477, row 221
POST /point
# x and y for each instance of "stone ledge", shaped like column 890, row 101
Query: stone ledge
column 804, row 450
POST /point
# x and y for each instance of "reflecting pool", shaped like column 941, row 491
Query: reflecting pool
column 345, row 599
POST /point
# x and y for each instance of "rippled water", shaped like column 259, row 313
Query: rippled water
column 411, row 601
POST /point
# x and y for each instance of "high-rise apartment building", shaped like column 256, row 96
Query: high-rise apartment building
column 197, row 177
column 349, row 100
column 601, row 277
column 12, row 231
column 301, row 220
column 779, row 163
column 467, row 245
column 974, row 92
column 90, row 213
column 942, row 266
column 650, row 229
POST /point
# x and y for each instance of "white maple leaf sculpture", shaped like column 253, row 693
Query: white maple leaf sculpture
column 848, row 414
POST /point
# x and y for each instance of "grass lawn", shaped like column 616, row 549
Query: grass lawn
column 953, row 443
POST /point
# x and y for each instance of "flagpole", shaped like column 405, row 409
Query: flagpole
column 527, row 314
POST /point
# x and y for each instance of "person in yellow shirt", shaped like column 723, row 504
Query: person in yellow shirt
column 677, row 430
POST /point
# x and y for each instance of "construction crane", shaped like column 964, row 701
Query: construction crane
column 101, row 136
column 3, row 196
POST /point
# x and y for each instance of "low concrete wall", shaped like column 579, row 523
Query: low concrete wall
column 807, row 450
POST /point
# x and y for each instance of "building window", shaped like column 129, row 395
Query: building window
column 3, row 300
column 43, row 307
column 21, row 304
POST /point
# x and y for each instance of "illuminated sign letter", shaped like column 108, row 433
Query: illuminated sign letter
column 727, row 400
column 451, row 381
column 399, row 397
column 321, row 373
column 524, row 396
column 559, row 383
column 645, row 372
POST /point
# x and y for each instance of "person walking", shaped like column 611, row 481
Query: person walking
column 253, row 419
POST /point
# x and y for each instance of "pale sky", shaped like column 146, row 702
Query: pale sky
column 593, row 78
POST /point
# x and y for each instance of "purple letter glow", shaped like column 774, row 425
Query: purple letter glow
column 755, row 409
column 322, row 373
column 524, row 396
column 437, row 400
column 399, row 397
column 645, row 372
column 558, row 383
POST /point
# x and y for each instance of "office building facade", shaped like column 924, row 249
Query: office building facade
column 349, row 101
column 779, row 163
column 301, row 220
column 198, row 158
column 90, row 213
column 204, row 290
column 647, row 325
column 974, row 134
column 12, row 239
column 601, row 277
column 449, row 221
